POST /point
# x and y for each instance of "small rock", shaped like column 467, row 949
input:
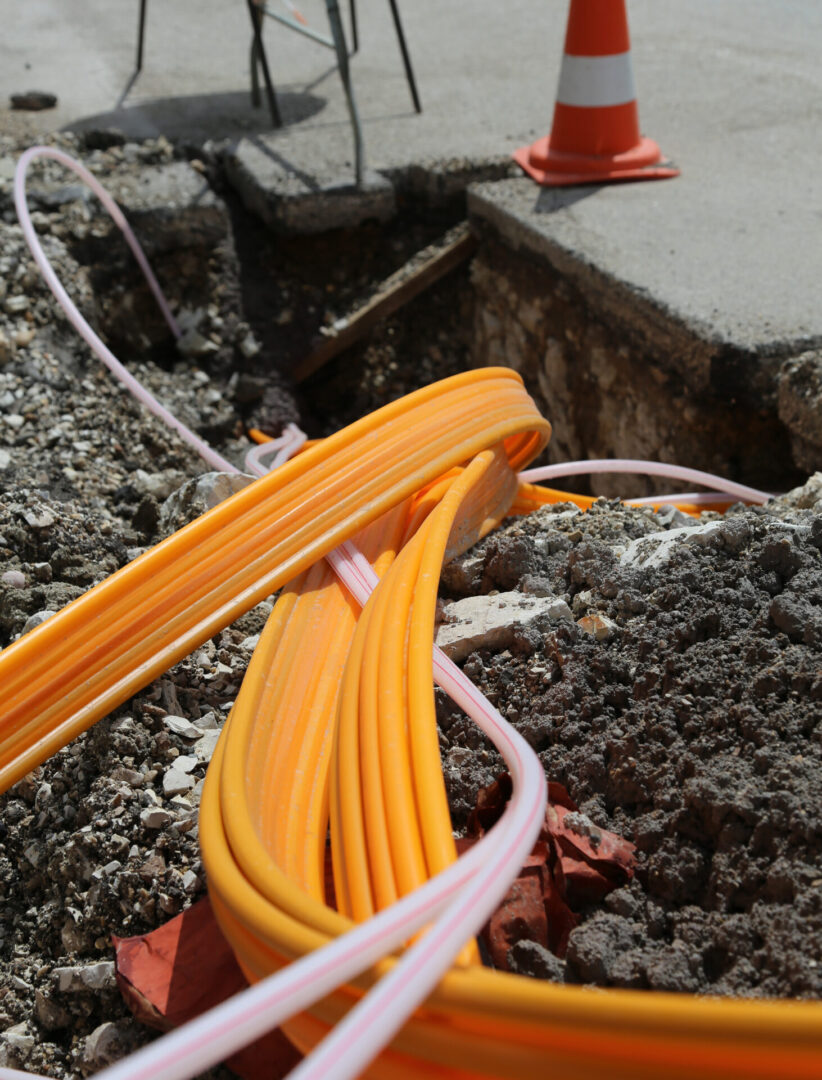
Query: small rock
column 176, row 782
column 159, row 485
column 153, row 817
column 14, row 579
column 194, row 344
column 107, row 1044
column 656, row 549
column 24, row 337
column 49, row 1014
column 190, row 881
column 39, row 519
column 488, row 622
column 185, row 763
column 5, row 459
column 206, row 722
column 16, row 305
column 6, row 348
column 182, row 727
column 530, row 958
column 598, row 626
column 99, row 976
column 806, row 497
column 79, row 977
column 33, row 101
column 129, row 776
column 197, row 496
column 19, row 1038
column 204, row 747
column 249, row 346
column 37, row 618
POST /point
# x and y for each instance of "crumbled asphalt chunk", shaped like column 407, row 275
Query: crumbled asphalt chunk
column 692, row 727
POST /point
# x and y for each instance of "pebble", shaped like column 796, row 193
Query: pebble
column 39, row 519
column 159, row 485
column 37, row 618
column 206, row 722
column 193, row 344
column 16, row 305
column 14, row 579
column 204, row 747
column 106, row 1044
column 154, row 817
column 6, row 350
column 175, row 782
column 249, row 346
column 33, row 100
column 190, row 881
column 598, row 626
column 18, row 1037
column 182, row 727
column 79, row 977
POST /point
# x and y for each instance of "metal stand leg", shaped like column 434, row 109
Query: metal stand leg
column 256, row 22
column 406, row 59
column 255, row 75
column 355, row 37
column 141, row 34
column 335, row 22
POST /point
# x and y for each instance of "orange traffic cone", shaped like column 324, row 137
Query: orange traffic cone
column 595, row 135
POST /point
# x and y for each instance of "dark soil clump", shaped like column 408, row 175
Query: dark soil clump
column 681, row 706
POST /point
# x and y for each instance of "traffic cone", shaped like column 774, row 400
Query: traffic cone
column 595, row 134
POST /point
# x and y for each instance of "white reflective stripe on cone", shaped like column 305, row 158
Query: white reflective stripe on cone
column 594, row 81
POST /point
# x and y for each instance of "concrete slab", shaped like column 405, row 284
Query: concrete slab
column 732, row 91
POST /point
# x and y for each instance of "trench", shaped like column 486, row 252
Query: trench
column 691, row 726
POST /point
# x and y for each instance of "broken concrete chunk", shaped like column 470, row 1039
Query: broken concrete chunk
column 655, row 550
column 182, row 727
column 175, row 782
column 489, row 622
column 71, row 980
column 204, row 747
column 155, row 818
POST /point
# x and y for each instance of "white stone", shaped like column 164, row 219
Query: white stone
column 37, row 618
column 204, row 747
column 655, row 550
column 182, row 727
column 185, row 763
column 153, row 817
column 487, row 621
column 175, row 782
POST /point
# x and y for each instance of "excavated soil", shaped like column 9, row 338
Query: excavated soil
column 680, row 703
column 687, row 722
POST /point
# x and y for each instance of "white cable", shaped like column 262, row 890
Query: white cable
column 646, row 468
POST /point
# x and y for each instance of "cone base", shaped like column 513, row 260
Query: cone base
column 556, row 168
